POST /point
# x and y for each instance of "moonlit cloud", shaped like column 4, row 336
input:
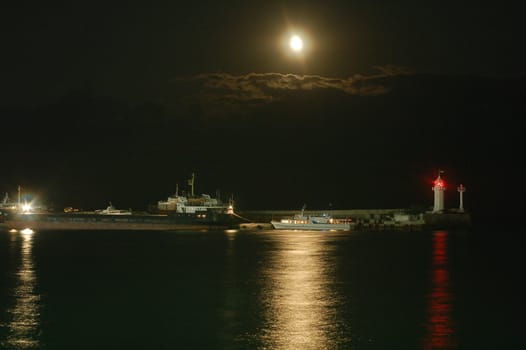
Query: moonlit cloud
column 219, row 93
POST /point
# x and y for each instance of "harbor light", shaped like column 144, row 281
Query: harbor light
column 27, row 231
column 26, row 207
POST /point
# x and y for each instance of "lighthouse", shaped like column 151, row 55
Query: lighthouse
column 439, row 188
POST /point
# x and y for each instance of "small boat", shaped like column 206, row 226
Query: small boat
column 110, row 210
column 7, row 204
column 322, row 222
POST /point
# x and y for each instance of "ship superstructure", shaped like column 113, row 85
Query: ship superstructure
column 193, row 204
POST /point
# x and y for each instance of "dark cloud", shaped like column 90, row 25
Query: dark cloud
column 224, row 93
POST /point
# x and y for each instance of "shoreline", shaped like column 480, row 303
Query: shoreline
column 64, row 226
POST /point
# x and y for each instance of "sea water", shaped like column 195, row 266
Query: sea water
column 260, row 290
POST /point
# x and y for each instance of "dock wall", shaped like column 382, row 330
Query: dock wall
column 447, row 220
column 372, row 218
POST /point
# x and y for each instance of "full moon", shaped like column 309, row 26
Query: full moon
column 296, row 43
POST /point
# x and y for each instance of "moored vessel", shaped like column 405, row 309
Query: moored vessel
column 323, row 222
column 192, row 204
column 111, row 210
column 7, row 204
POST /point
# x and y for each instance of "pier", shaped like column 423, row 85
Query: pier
column 366, row 219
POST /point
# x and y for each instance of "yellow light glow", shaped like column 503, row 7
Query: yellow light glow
column 24, row 315
column 296, row 43
column 27, row 231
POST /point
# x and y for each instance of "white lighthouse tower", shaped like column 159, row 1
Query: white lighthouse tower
column 439, row 188
column 461, row 189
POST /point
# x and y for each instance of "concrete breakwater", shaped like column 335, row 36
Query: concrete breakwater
column 447, row 220
column 361, row 219
column 377, row 219
column 94, row 221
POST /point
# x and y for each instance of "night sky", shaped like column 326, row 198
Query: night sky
column 120, row 102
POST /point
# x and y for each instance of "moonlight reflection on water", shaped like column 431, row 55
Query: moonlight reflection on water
column 300, row 304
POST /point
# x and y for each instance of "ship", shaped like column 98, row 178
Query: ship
column 323, row 222
column 201, row 206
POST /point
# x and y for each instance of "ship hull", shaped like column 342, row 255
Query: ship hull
column 310, row 226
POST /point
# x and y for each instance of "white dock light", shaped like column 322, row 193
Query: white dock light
column 461, row 189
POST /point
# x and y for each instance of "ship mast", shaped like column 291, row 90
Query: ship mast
column 191, row 184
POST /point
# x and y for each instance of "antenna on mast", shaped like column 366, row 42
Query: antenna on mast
column 191, row 184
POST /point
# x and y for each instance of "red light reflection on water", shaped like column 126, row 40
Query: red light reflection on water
column 440, row 323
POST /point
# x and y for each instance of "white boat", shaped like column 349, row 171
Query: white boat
column 322, row 222
column 110, row 210
column 7, row 204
